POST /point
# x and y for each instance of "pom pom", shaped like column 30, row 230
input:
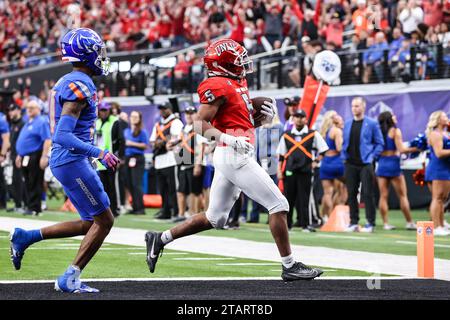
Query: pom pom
column 419, row 142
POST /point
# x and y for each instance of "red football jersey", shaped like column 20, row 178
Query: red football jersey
column 234, row 117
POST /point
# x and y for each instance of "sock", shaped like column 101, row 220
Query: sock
column 76, row 268
column 76, row 282
column 288, row 261
column 35, row 236
column 166, row 237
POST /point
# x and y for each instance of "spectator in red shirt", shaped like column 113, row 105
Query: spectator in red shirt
column 334, row 30
column 433, row 13
column 236, row 22
column 178, row 26
column 165, row 26
column 153, row 32
column 182, row 67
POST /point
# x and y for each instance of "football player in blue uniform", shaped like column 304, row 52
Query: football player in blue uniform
column 73, row 111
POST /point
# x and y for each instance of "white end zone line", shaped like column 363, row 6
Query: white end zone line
column 200, row 279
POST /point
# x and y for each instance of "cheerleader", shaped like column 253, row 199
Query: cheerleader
column 438, row 168
column 388, row 170
column 332, row 166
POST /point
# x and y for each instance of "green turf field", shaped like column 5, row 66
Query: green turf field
column 49, row 258
column 399, row 241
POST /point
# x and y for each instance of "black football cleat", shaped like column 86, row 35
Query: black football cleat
column 299, row 271
column 155, row 247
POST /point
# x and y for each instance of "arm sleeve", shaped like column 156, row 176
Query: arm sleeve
column 64, row 136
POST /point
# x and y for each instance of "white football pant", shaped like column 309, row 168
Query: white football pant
column 235, row 172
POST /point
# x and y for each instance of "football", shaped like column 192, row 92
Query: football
column 257, row 115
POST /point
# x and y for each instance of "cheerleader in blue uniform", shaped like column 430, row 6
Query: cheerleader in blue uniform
column 332, row 164
column 438, row 169
column 388, row 170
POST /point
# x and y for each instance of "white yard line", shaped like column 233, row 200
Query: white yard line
column 147, row 220
column 437, row 245
column 75, row 248
column 201, row 259
column 248, row 264
column 340, row 237
column 258, row 230
column 374, row 263
column 324, row 270
column 200, row 279
column 165, row 253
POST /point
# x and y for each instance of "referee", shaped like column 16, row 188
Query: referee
column 296, row 164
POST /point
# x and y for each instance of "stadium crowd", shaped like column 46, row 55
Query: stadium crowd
column 182, row 170
column 28, row 30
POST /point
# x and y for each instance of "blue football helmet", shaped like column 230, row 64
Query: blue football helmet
column 85, row 45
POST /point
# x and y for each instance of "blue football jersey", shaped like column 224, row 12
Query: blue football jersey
column 74, row 86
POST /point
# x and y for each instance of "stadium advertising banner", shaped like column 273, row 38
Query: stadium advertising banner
column 412, row 109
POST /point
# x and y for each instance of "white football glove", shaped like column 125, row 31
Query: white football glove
column 268, row 109
column 240, row 144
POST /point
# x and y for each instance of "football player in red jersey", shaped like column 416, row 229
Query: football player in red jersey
column 226, row 116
